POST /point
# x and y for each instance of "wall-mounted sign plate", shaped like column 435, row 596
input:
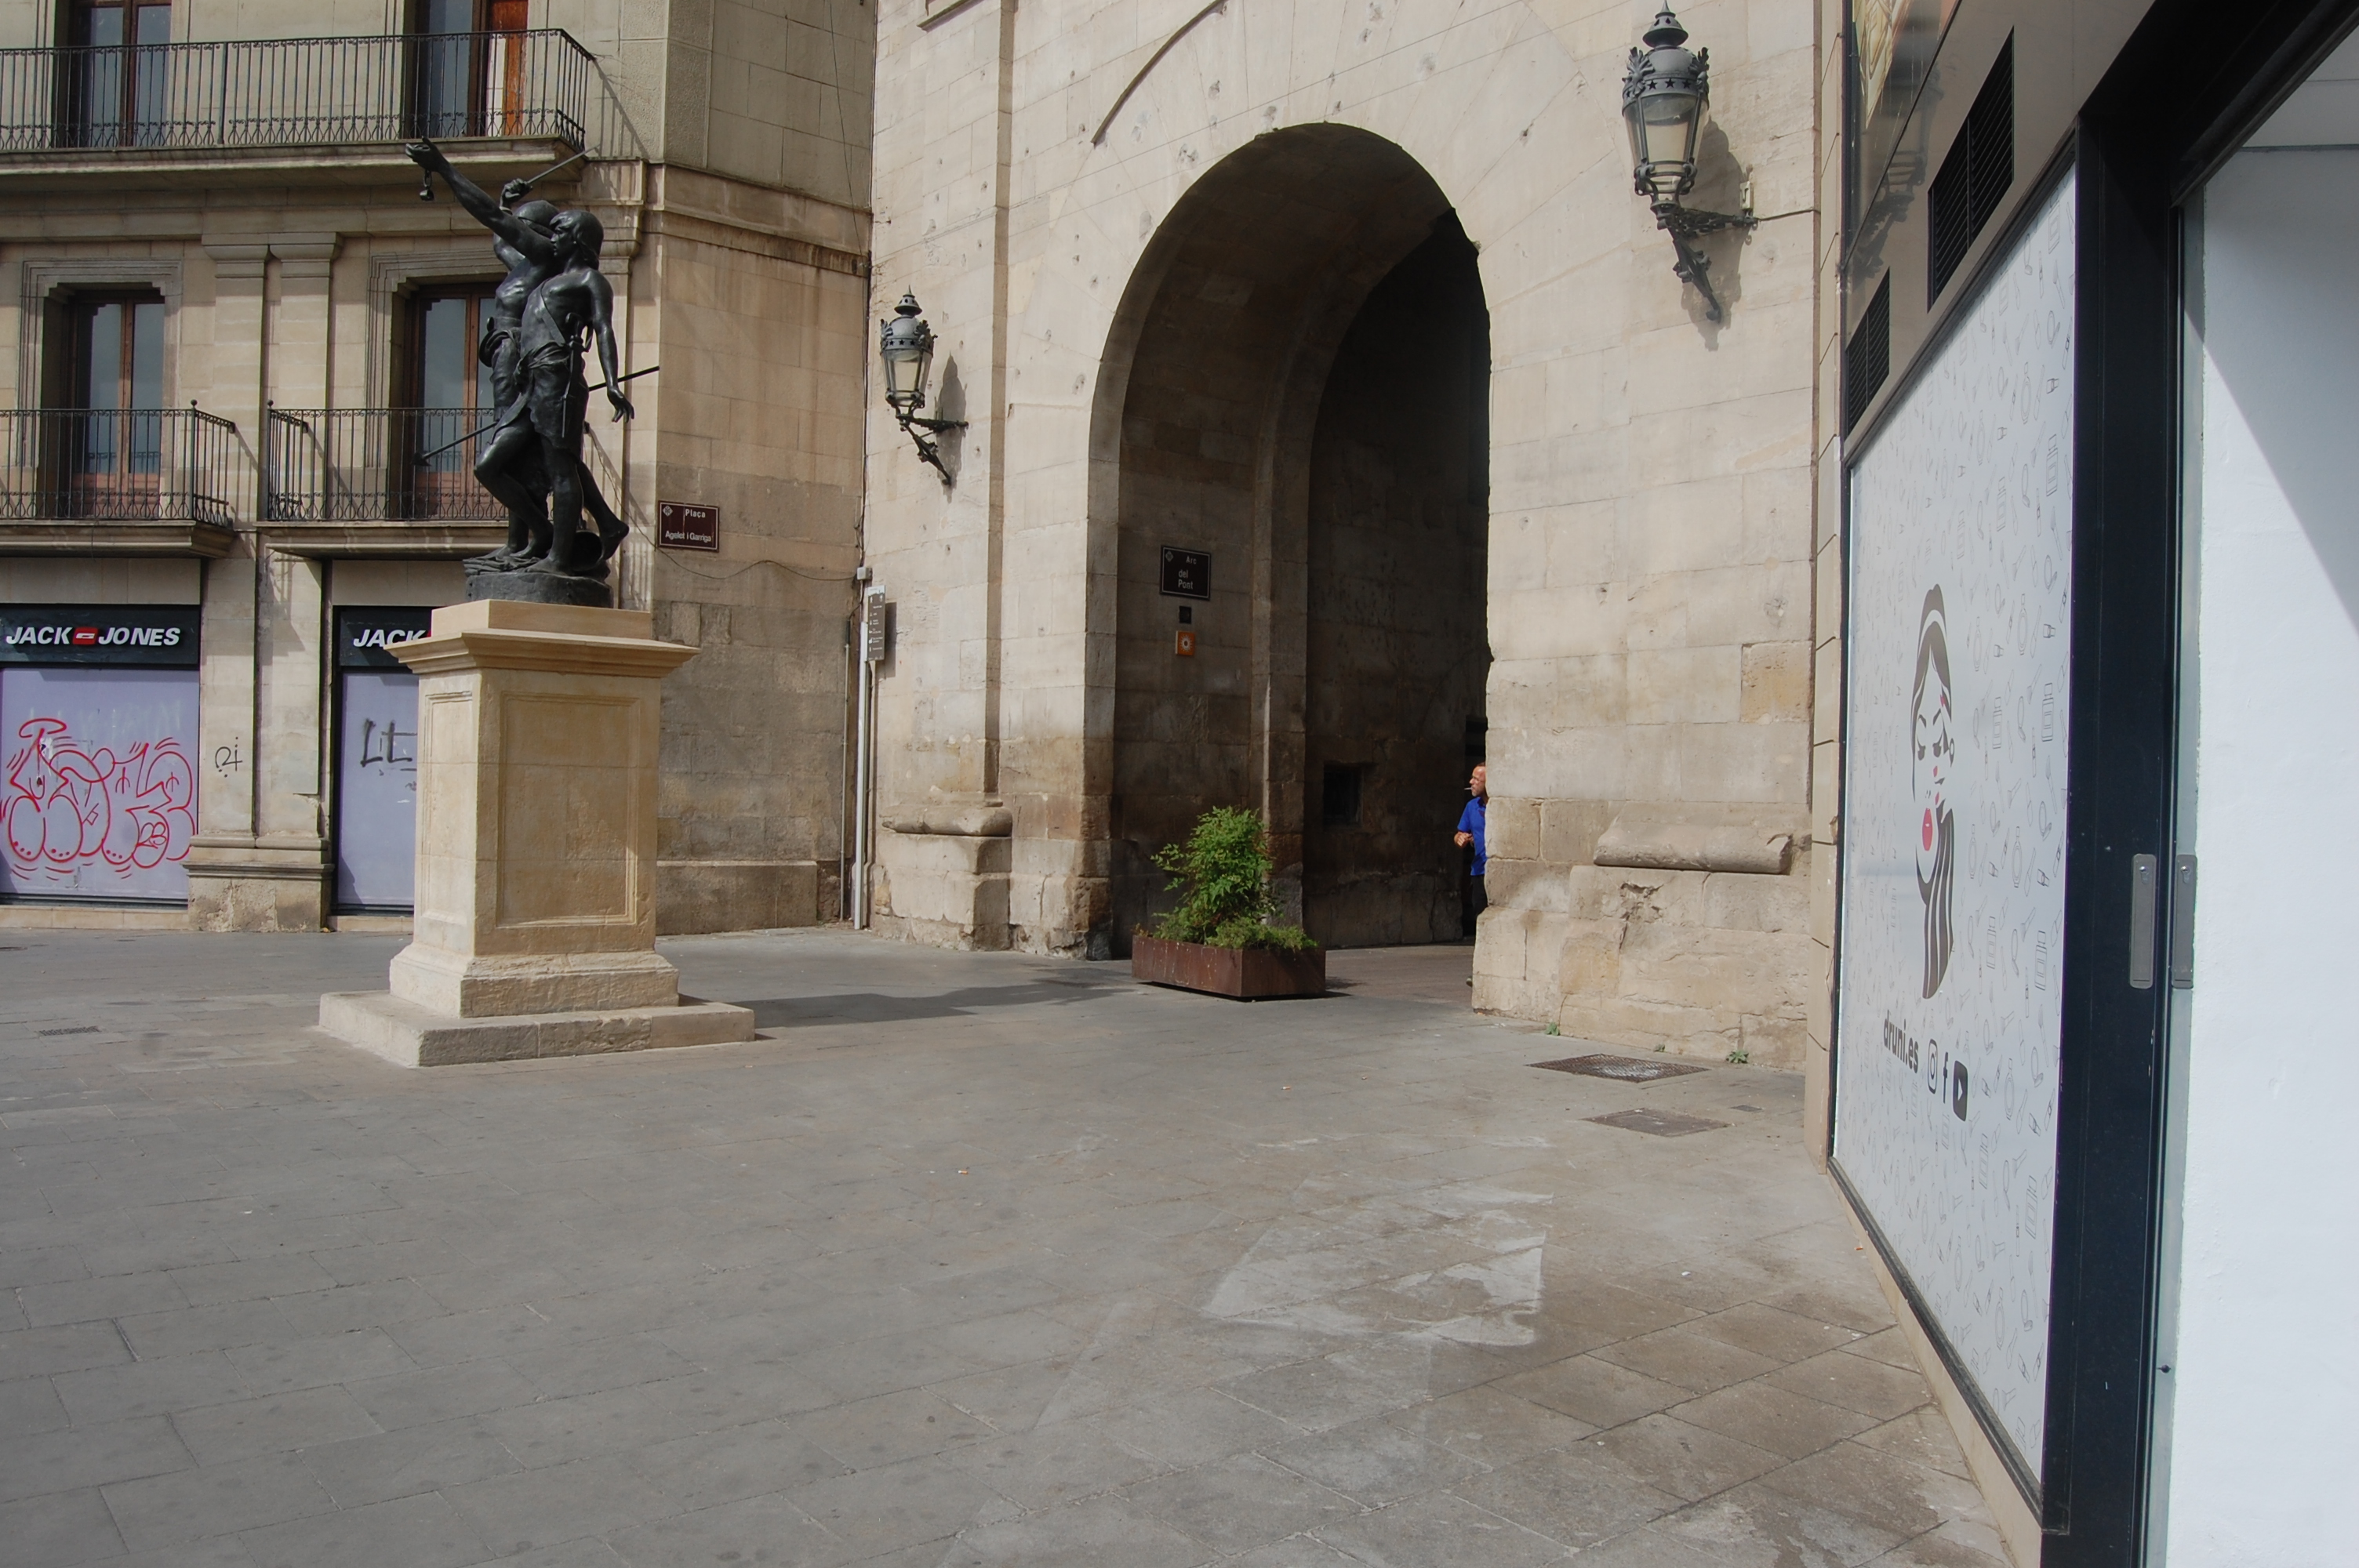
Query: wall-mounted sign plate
column 680, row 526
column 1187, row 574
column 1184, row 645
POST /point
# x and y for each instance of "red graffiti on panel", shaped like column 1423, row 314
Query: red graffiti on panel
column 67, row 805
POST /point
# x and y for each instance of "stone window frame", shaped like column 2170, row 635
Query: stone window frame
column 393, row 279
column 48, row 278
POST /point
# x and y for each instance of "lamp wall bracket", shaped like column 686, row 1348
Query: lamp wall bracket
column 1687, row 225
column 931, row 452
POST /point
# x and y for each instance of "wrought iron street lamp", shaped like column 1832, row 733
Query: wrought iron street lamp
column 906, row 345
column 1665, row 98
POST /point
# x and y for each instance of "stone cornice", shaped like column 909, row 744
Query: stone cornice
column 554, row 653
column 352, row 167
column 755, row 212
column 705, row 231
column 239, row 218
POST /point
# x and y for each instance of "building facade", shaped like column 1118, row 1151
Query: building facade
column 1874, row 629
column 235, row 337
column 1354, row 305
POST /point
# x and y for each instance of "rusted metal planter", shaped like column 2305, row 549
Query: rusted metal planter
column 1249, row 974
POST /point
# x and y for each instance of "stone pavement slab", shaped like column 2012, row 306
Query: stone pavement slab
column 969, row 1259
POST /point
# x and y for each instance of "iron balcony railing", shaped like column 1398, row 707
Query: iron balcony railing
column 363, row 465
column 298, row 91
column 117, row 465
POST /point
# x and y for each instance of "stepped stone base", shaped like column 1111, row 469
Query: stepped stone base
column 413, row 1036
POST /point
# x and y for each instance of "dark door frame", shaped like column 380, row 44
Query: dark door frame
column 2192, row 82
column 342, row 620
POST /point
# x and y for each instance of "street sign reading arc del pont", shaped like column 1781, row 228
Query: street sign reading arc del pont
column 1187, row 574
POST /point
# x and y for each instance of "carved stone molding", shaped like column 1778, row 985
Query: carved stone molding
column 45, row 277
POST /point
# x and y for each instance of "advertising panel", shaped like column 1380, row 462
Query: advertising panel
column 97, row 768
column 1953, row 911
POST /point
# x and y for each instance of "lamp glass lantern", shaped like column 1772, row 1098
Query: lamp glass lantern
column 1666, row 101
column 906, row 345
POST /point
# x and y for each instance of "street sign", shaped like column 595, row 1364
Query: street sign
column 1187, row 574
column 680, row 526
column 872, row 629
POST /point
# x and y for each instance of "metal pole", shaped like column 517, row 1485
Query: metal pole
column 844, row 764
column 863, row 779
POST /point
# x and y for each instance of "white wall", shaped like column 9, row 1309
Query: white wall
column 2266, row 1374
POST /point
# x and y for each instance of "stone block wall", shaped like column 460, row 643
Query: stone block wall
column 774, row 92
column 1649, row 601
column 1696, row 963
column 949, row 890
column 1827, row 587
column 756, row 303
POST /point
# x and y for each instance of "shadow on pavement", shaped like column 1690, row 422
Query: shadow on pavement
column 875, row 1007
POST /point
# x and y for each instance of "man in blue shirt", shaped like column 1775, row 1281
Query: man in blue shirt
column 1470, row 830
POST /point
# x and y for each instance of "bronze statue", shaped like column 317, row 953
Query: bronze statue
column 552, row 298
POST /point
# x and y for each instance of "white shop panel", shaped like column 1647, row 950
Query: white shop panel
column 2263, row 1366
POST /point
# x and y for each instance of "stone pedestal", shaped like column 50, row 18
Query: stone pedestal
column 535, row 891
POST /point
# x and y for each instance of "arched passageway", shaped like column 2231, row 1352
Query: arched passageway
column 1297, row 390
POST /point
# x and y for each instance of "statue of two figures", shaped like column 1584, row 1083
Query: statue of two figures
column 552, row 302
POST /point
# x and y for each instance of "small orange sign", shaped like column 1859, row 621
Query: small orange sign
column 1184, row 645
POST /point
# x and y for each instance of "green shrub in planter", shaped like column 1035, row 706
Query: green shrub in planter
column 1221, row 874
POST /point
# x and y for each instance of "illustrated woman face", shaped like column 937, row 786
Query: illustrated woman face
column 1932, row 740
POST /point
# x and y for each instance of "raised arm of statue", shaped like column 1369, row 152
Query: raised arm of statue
column 534, row 244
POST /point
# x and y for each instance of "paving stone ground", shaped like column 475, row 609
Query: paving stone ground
column 971, row 1259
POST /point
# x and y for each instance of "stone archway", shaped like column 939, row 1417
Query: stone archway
column 1296, row 386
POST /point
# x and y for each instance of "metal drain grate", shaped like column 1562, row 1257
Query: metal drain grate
column 1661, row 1123
column 1621, row 1069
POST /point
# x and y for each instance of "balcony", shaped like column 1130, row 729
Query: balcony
column 116, row 480
column 263, row 102
column 376, row 481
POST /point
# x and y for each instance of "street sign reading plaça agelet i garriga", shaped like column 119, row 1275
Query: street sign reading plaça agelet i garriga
column 680, row 526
